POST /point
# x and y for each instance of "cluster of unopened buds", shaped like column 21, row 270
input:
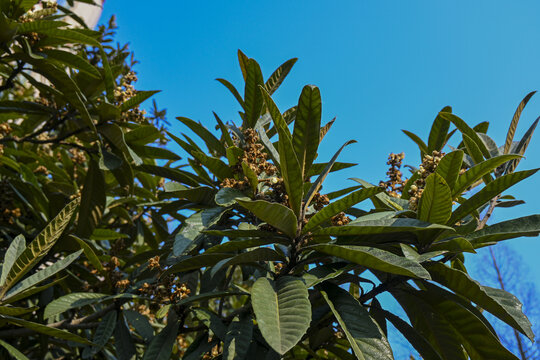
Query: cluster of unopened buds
column 394, row 184
column 5, row 129
column 428, row 167
column 126, row 91
column 340, row 219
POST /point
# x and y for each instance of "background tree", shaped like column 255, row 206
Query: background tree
column 238, row 254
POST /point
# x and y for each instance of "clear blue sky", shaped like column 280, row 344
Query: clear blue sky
column 381, row 66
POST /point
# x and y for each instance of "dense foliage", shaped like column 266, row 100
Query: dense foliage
column 113, row 250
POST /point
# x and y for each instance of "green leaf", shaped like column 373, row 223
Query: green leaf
column 277, row 77
column 73, row 61
column 16, row 311
column 227, row 196
column 438, row 132
column 71, row 301
column 524, row 226
column 382, row 226
column 125, row 347
column 39, row 246
column 233, row 91
column 500, row 303
column 522, row 146
column 212, row 321
column 140, row 97
column 170, row 173
column 42, row 275
column 466, row 130
column 277, row 215
column 161, row 346
column 214, row 145
column 338, row 206
column 115, row 135
column 457, row 244
column 416, row 339
column 256, row 255
column 47, row 330
column 15, row 249
column 89, row 253
column 142, row 135
column 475, row 154
column 375, row 259
column 305, row 139
column 235, row 245
column 210, row 295
column 421, row 144
column 366, row 339
column 253, row 99
column 289, row 165
column 474, row 174
column 140, row 323
column 216, row 166
column 25, row 107
column 238, row 338
column 103, row 333
column 436, row 201
column 39, row 26
column 13, row 351
column 491, row 190
column 282, row 310
column 31, row 291
column 92, row 201
column 196, row 262
column 251, row 176
column 450, row 166
column 514, row 122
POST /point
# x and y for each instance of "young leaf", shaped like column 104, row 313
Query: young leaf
column 375, row 259
column 238, row 338
column 514, row 122
column 306, row 134
column 39, row 246
column 277, row 215
column 436, row 201
column 366, row 339
column 282, row 310
column 253, row 99
column 277, row 77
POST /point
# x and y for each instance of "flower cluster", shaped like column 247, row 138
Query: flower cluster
column 126, row 91
column 429, row 164
column 394, row 185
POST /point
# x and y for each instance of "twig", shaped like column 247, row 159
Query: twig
column 9, row 81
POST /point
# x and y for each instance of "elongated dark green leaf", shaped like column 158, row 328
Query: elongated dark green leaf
column 47, row 330
column 196, row 262
column 233, row 91
column 92, row 201
column 500, row 303
column 243, row 61
column 212, row 321
column 238, row 338
column 466, row 130
column 30, row 292
column 438, row 132
column 282, row 309
column 140, row 323
column 416, row 339
column 375, row 259
column 251, row 176
column 216, row 166
column 306, row 134
column 142, row 135
column 115, row 135
column 476, row 155
column 457, row 244
column 450, row 166
column 421, row 144
column 39, row 26
column 472, row 175
column 476, row 337
column 291, row 170
column 277, row 215
column 137, row 99
column 523, row 226
column 25, row 107
column 170, row 173
column 161, row 346
column 366, row 339
column 42, row 275
column 39, row 246
column 15, row 249
column 277, row 77
column 71, row 301
column 491, row 190
column 16, row 311
column 228, row 196
column 73, row 61
column 256, row 255
column 125, row 347
column 514, row 123
column 233, row 234
column 522, row 146
column 17, row 355
column 436, row 201
column 211, row 295
column 253, row 99
column 103, row 333
column 236, row 245
column 340, row 205
column 214, row 145
column 318, row 183
column 382, row 226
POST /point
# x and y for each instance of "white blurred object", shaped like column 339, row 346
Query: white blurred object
column 89, row 13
